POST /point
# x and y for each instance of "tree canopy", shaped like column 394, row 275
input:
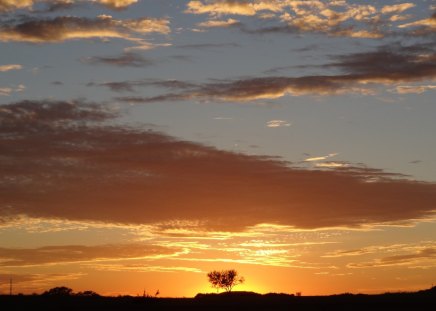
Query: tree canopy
column 59, row 291
column 225, row 279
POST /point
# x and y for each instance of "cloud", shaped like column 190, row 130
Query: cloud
column 414, row 89
column 60, row 160
column 358, row 73
column 63, row 28
column 9, row 5
column 374, row 249
column 39, row 281
column 331, row 164
column 21, row 257
column 397, row 8
column 278, row 123
column 221, row 7
column 314, row 159
column 7, row 91
column 426, row 22
column 33, row 113
column 117, row 4
column 207, row 45
column 218, row 23
column 424, row 255
column 124, row 60
column 129, row 86
column 10, row 67
column 55, row 5
column 142, row 268
column 333, row 18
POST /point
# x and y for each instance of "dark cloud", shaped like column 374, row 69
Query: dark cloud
column 130, row 86
column 394, row 62
column 279, row 29
column 124, row 60
column 54, row 6
column 30, row 115
column 358, row 72
column 415, row 162
column 62, row 28
column 57, row 5
column 207, row 45
column 55, row 163
column 13, row 257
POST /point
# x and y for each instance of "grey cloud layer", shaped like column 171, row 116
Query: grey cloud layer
column 358, row 72
column 55, row 163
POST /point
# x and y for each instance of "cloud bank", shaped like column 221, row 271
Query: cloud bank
column 66, row 160
column 333, row 18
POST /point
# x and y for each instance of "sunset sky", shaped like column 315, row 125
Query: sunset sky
column 144, row 143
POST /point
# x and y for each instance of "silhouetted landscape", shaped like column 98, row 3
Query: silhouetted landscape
column 421, row 300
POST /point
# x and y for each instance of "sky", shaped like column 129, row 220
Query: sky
column 144, row 143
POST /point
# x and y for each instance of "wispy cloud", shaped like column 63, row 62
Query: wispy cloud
column 49, row 160
column 278, row 123
column 124, row 60
column 397, row 8
column 359, row 73
column 63, row 28
column 220, row 7
column 414, row 89
column 218, row 23
column 424, row 256
column 116, row 4
column 131, row 85
column 208, row 45
column 421, row 27
column 320, row 158
column 55, row 5
column 4, row 68
column 7, row 91
column 144, row 268
column 11, row 257
column 39, row 281
column 331, row 164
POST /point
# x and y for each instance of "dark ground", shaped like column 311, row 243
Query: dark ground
column 417, row 301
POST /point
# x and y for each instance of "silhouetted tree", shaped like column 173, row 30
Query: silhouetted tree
column 225, row 279
column 87, row 293
column 59, row 291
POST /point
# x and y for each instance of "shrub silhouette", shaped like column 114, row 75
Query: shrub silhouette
column 87, row 293
column 225, row 279
column 59, row 291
